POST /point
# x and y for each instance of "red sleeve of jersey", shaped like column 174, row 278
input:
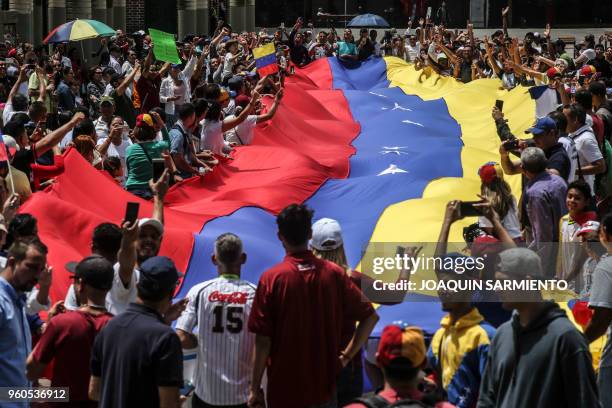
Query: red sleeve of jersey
column 355, row 306
column 260, row 319
column 45, row 348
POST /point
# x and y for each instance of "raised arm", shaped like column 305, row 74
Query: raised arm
column 233, row 122
column 53, row 138
column 504, row 13
column 128, row 80
column 42, row 89
column 490, row 58
column 20, row 79
column 270, row 114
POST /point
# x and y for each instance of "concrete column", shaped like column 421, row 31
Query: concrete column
column 110, row 21
column 56, row 13
column 186, row 11
column 236, row 14
column 37, row 23
column 98, row 10
column 202, row 19
column 119, row 15
column 23, row 18
column 249, row 19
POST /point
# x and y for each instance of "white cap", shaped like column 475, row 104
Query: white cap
column 152, row 222
column 326, row 235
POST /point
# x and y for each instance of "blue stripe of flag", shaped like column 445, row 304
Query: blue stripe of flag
column 265, row 61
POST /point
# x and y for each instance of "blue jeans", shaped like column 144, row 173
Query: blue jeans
column 604, row 383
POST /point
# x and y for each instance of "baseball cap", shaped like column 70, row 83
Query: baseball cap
column 242, row 100
column 12, row 53
column 144, row 119
column 107, row 99
column 116, row 77
column 519, row 262
column 396, row 342
column 158, row 273
column 94, row 270
column 588, row 227
column 151, row 222
column 542, row 125
column 326, row 235
column 587, row 70
column 553, row 72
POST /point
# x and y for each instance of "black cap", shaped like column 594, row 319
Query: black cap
column 95, row 271
column 158, row 273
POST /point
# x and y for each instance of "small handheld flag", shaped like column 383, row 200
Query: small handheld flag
column 3, row 150
column 265, row 60
column 4, row 158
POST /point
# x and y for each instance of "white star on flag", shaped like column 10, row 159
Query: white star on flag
column 412, row 123
column 392, row 169
column 393, row 150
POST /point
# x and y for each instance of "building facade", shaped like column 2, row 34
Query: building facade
column 31, row 20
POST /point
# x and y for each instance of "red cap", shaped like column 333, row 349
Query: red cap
column 553, row 72
column 242, row 100
column 587, row 70
column 489, row 172
column 407, row 343
column 12, row 52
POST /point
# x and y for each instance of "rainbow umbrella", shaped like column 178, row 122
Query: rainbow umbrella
column 78, row 30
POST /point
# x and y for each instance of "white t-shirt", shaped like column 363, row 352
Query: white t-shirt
column 117, row 299
column 587, row 151
column 212, row 136
column 243, row 133
column 118, row 151
column 220, row 309
column 228, row 65
column 601, row 296
column 412, row 53
column 510, row 222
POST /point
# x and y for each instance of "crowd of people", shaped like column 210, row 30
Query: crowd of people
column 300, row 336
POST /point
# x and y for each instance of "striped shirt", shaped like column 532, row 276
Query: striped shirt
column 220, row 309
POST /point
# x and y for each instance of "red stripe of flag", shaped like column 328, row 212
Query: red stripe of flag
column 268, row 70
column 3, row 152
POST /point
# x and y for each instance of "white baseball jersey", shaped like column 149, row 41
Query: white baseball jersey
column 220, row 309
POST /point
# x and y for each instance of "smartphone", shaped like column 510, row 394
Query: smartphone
column 467, row 209
column 499, row 104
column 511, row 144
column 187, row 389
column 131, row 212
column 428, row 15
column 158, row 168
column 282, row 26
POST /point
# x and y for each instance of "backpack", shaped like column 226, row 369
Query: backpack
column 376, row 401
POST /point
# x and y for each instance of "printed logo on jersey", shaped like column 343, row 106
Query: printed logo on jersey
column 239, row 298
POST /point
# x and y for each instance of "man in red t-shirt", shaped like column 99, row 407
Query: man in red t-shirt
column 401, row 355
column 68, row 338
column 298, row 313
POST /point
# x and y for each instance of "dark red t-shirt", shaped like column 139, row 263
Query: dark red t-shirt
column 67, row 341
column 148, row 92
column 302, row 304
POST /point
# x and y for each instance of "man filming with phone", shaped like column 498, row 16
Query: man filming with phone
column 545, row 136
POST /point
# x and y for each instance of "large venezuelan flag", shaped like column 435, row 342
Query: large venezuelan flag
column 381, row 148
